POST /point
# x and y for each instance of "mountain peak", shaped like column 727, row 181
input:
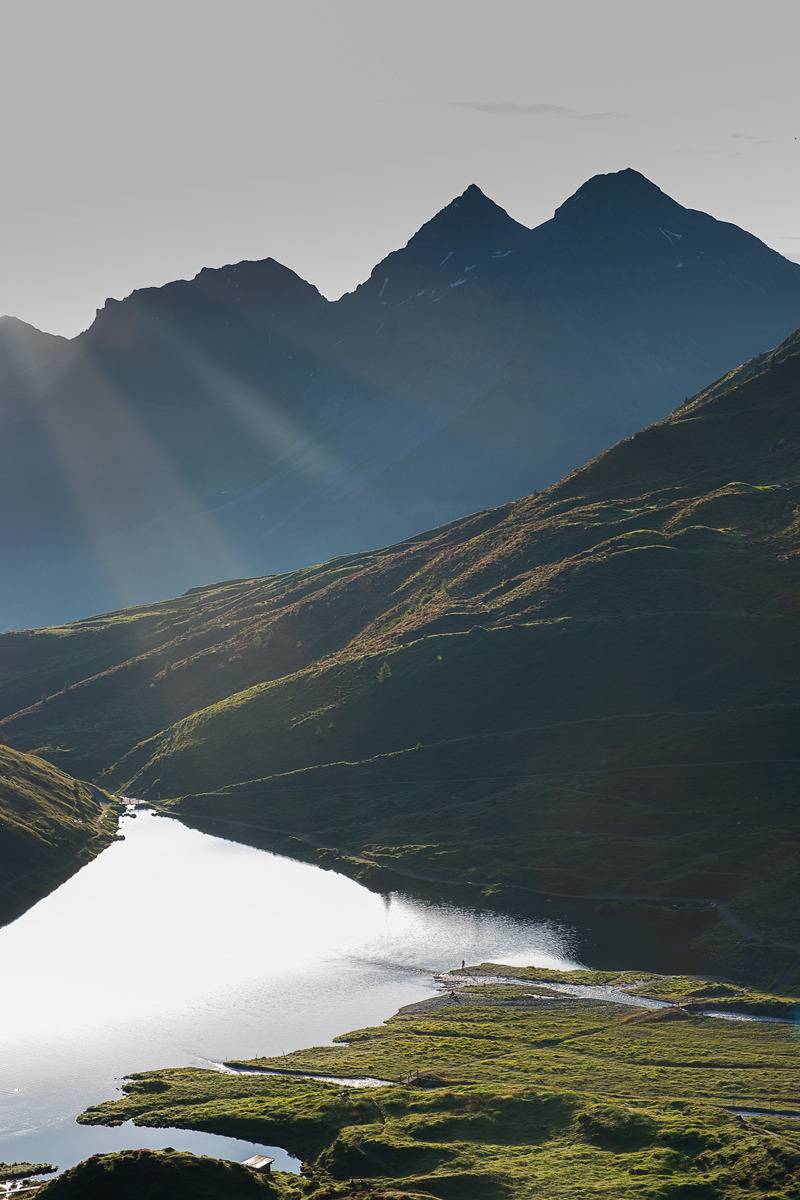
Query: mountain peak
column 446, row 252
column 249, row 290
column 473, row 195
column 626, row 190
column 10, row 323
column 627, row 179
column 473, row 205
column 15, row 330
column 471, row 220
column 625, row 182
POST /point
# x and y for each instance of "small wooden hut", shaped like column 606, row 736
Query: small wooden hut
column 259, row 1162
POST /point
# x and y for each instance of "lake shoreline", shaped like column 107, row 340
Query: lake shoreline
column 275, row 956
column 487, row 1091
column 27, row 892
column 665, row 932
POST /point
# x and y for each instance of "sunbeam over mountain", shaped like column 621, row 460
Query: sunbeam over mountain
column 400, row 601
column 239, row 423
column 617, row 656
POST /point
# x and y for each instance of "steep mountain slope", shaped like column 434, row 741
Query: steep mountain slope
column 589, row 693
column 630, row 301
column 239, row 422
column 115, row 467
column 49, row 825
column 25, row 349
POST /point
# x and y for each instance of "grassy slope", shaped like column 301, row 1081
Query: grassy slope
column 591, row 692
column 12, row 1172
column 534, row 1098
column 158, row 1175
column 49, row 825
column 690, row 992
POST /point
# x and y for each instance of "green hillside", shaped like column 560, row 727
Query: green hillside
column 588, row 695
column 501, row 1091
column 50, row 825
column 158, row 1175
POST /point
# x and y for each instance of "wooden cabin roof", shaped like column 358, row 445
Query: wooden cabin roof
column 259, row 1162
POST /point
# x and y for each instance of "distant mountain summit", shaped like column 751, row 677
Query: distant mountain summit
column 257, row 294
column 593, row 324
column 469, row 235
column 239, row 422
column 614, row 193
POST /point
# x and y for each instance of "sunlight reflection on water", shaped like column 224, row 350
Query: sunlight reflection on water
column 174, row 946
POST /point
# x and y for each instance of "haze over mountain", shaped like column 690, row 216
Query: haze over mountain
column 239, row 423
column 587, row 693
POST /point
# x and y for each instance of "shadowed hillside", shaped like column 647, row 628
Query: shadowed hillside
column 50, row 825
column 153, row 1175
column 238, row 422
column 589, row 693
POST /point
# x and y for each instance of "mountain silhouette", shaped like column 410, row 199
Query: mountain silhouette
column 240, row 423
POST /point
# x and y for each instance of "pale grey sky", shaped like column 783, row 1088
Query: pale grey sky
column 144, row 139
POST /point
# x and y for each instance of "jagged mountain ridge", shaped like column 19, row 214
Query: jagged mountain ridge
column 239, row 422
